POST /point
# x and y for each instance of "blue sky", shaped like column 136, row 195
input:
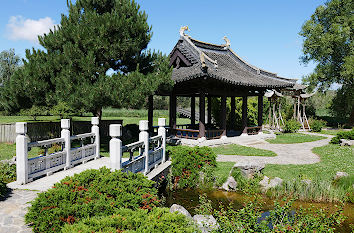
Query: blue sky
column 264, row 33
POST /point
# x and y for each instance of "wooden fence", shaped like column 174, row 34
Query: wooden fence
column 38, row 131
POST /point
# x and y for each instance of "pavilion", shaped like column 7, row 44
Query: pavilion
column 206, row 71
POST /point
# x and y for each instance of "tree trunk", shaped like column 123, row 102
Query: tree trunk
column 98, row 112
column 351, row 118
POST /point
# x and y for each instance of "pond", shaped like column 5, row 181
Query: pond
column 189, row 198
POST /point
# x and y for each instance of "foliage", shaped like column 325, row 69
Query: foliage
column 329, row 43
column 349, row 135
column 125, row 220
column 34, row 111
column 317, row 125
column 7, row 172
column 123, row 112
column 235, row 149
column 97, row 57
column 290, row 138
column 9, row 63
column 3, row 189
column 90, row 193
column 222, row 172
column 191, row 166
column 280, row 218
column 249, row 186
column 62, row 109
column 291, row 126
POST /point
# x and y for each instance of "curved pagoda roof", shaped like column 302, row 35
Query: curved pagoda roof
column 194, row 59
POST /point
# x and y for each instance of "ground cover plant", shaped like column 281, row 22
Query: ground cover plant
column 235, row 149
column 90, row 193
column 330, row 131
column 7, row 175
column 139, row 221
column 334, row 158
column 289, row 138
column 280, row 218
column 191, row 166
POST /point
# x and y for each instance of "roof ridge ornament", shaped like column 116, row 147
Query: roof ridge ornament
column 182, row 30
column 228, row 43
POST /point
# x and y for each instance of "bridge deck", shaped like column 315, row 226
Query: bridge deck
column 47, row 182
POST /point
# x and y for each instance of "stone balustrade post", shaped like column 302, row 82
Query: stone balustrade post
column 115, row 146
column 144, row 136
column 96, row 130
column 21, row 153
column 65, row 134
column 162, row 132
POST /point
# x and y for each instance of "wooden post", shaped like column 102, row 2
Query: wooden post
column 260, row 111
column 233, row 115
column 201, row 114
column 244, row 115
column 209, row 110
column 151, row 113
column 223, row 115
column 193, row 111
column 173, row 110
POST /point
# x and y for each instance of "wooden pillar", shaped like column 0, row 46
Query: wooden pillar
column 232, row 113
column 173, row 110
column 151, row 113
column 260, row 110
column 193, row 110
column 244, row 114
column 201, row 114
column 223, row 115
column 209, row 110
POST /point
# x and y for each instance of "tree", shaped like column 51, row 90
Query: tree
column 96, row 57
column 9, row 62
column 329, row 43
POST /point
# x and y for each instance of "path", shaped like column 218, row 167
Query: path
column 297, row 153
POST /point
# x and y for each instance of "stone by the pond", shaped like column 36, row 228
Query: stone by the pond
column 230, row 184
column 249, row 169
column 206, row 223
column 345, row 142
column 340, row 175
column 180, row 209
column 267, row 184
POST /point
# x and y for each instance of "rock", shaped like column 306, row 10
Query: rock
column 340, row 175
column 249, row 169
column 267, row 184
column 230, row 184
column 180, row 209
column 206, row 223
column 306, row 181
column 345, row 142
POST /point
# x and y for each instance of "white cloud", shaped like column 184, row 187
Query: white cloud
column 20, row 28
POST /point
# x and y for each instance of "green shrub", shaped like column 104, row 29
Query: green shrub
column 317, row 125
column 3, row 189
column 126, row 220
column 90, row 193
column 349, row 135
column 35, row 111
column 291, row 126
column 7, row 172
column 188, row 163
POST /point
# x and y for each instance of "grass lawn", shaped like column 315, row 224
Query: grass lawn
column 222, row 171
column 289, row 138
column 334, row 158
column 235, row 149
column 330, row 132
column 8, row 150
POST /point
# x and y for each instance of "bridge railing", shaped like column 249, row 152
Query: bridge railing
column 149, row 151
column 55, row 154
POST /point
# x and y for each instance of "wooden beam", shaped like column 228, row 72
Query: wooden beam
column 244, row 114
column 201, row 114
column 151, row 113
column 173, row 110
column 223, row 115
column 193, row 110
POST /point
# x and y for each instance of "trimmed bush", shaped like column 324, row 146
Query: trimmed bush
column 349, row 135
column 3, row 189
column 90, row 193
column 7, row 172
column 317, row 125
column 291, row 126
column 139, row 221
column 188, row 163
